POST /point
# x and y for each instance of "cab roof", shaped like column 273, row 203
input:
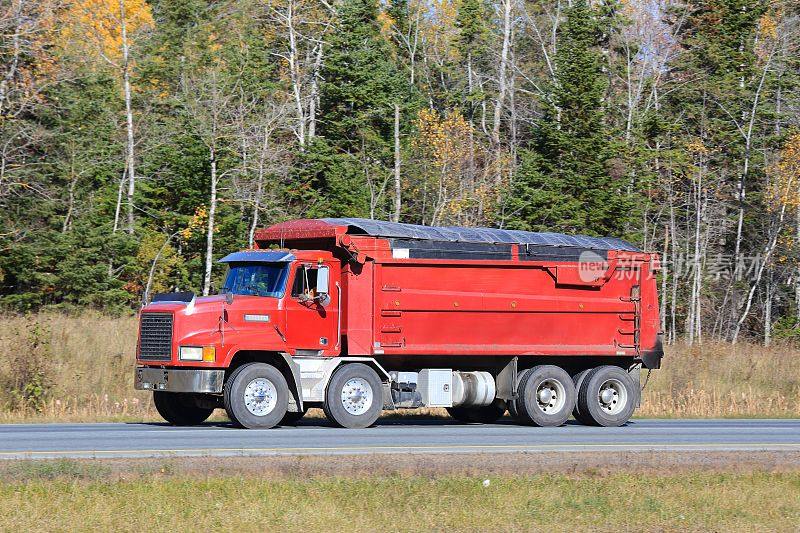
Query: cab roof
column 258, row 256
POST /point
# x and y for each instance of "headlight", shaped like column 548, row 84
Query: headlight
column 191, row 353
column 207, row 354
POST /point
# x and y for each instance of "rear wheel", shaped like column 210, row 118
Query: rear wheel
column 256, row 396
column 545, row 396
column 180, row 408
column 512, row 404
column 484, row 414
column 607, row 397
column 578, row 380
column 354, row 397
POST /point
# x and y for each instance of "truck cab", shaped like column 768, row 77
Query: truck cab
column 271, row 300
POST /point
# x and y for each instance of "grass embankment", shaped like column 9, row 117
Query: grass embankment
column 61, row 368
column 67, row 495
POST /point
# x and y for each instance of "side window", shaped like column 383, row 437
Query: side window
column 305, row 282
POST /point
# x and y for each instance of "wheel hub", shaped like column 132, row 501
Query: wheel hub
column 551, row 396
column 545, row 395
column 260, row 396
column 607, row 396
column 357, row 396
column 612, row 396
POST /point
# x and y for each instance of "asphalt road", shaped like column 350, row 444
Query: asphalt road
column 389, row 436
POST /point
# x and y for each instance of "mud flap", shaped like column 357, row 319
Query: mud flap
column 651, row 359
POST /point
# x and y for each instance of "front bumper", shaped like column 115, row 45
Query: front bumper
column 179, row 380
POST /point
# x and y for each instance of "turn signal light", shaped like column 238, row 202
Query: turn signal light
column 209, row 354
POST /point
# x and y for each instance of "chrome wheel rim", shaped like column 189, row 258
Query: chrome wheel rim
column 357, row 396
column 551, row 396
column 260, row 396
column 612, row 396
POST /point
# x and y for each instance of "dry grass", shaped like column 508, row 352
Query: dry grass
column 720, row 380
column 69, row 497
column 87, row 365
column 89, row 368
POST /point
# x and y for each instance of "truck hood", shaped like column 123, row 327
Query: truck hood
column 250, row 322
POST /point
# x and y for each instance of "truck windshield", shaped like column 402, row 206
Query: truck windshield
column 257, row 279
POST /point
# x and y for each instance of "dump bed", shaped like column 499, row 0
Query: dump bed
column 410, row 290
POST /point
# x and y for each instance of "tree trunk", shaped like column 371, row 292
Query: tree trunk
column 212, row 209
column 694, row 301
column 695, row 318
column 314, row 96
column 294, row 72
column 797, row 273
column 71, row 198
column 768, row 297
column 742, row 183
column 151, row 275
column 501, row 74
column 673, row 302
column 117, row 211
column 664, row 276
column 15, row 54
column 126, row 82
column 398, row 202
column 259, row 187
column 765, row 258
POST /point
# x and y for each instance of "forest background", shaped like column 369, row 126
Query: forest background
column 141, row 141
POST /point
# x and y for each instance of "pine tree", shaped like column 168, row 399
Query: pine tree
column 472, row 23
column 566, row 181
column 362, row 83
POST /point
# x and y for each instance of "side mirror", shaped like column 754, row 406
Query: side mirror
column 323, row 281
column 228, row 297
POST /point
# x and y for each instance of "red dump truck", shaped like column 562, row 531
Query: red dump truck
column 356, row 316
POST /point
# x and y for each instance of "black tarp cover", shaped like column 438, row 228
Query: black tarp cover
column 379, row 228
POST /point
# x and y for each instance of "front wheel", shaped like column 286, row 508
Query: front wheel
column 180, row 408
column 256, row 396
column 354, row 397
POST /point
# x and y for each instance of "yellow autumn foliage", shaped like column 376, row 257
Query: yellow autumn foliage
column 696, row 146
column 784, row 190
column 196, row 223
column 456, row 168
column 768, row 26
column 444, row 138
column 96, row 24
column 437, row 27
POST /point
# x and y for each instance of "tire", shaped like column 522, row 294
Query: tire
column 485, row 414
column 545, row 396
column 292, row 418
column 512, row 405
column 180, row 408
column 354, row 397
column 256, row 396
column 578, row 380
column 610, row 409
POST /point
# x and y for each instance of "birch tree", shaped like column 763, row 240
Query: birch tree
column 106, row 26
column 206, row 95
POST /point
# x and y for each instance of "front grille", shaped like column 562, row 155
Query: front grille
column 155, row 336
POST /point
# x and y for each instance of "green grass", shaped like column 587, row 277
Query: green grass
column 59, row 469
column 585, row 501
